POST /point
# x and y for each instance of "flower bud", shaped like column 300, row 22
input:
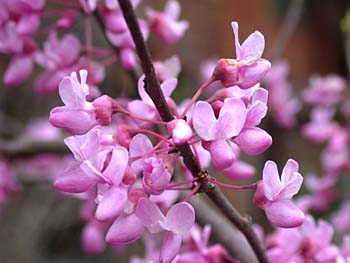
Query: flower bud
column 103, row 110
column 180, row 131
column 226, row 71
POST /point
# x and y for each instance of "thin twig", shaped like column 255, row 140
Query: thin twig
column 153, row 89
column 287, row 28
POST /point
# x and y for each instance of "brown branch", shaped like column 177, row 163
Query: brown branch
column 287, row 28
column 153, row 89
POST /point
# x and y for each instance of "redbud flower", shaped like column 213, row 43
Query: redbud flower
column 177, row 222
column 165, row 24
column 103, row 110
column 78, row 115
column 274, row 194
column 248, row 68
column 324, row 91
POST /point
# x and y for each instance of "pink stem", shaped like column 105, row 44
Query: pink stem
column 183, row 182
column 235, row 187
column 193, row 192
column 196, row 96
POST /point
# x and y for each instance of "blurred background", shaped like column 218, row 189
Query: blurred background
column 38, row 225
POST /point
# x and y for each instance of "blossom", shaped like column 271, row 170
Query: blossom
column 78, row 115
column 274, row 194
column 177, row 222
column 248, row 68
column 165, row 25
column 216, row 131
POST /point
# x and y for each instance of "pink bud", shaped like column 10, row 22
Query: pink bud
column 122, row 135
column 221, row 154
column 92, row 240
column 128, row 58
column 67, row 21
column 103, row 110
column 226, row 71
column 180, row 131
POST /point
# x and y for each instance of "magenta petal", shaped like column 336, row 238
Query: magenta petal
column 284, row 214
column 253, row 141
column 180, row 218
column 18, row 70
column 74, row 181
column 150, row 215
column 291, row 187
column 240, row 171
column 112, row 204
column 126, row 229
column 170, row 247
column 221, row 154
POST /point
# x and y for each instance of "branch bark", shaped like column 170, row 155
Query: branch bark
column 152, row 87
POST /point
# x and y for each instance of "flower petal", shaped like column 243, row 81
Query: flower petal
column 150, row 215
column 288, row 171
column 203, row 119
column 180, row 218
column 117, row 165
column 271, row 180
column 112, row 204
column 170, row 247
column 126, row 229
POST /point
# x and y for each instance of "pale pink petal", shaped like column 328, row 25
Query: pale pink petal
column 288, row 171
column 69, row 96
column 252, row 47
column 248, row 76
column 172, row 9
column 150, row 215
column 69, row 49
column 260, row 94
column 232, row 117
column 126, row 229
column 271, row 180
column 203, row 119
column 180, row 218
column 112, row 203
column 139, row 145
column 140, row 108
column 168, row 86
column 255, row 114
column 284, row 214
column 117, row 165
column 170, row 247
column 237, row 44
column 291, row 187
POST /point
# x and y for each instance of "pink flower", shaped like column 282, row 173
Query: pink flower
column 92, row 240
column 324, row 91
column 217, row 131
column 78, row 115
column 59, row 59
column 321, row 126
column 274, row 194
column 248, row 68
column 165, row 25
column 177, row 222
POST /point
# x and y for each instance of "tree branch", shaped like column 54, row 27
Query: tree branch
column 153, row 89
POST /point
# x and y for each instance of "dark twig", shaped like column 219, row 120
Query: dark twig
column 153, row 89
column 287, row 28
